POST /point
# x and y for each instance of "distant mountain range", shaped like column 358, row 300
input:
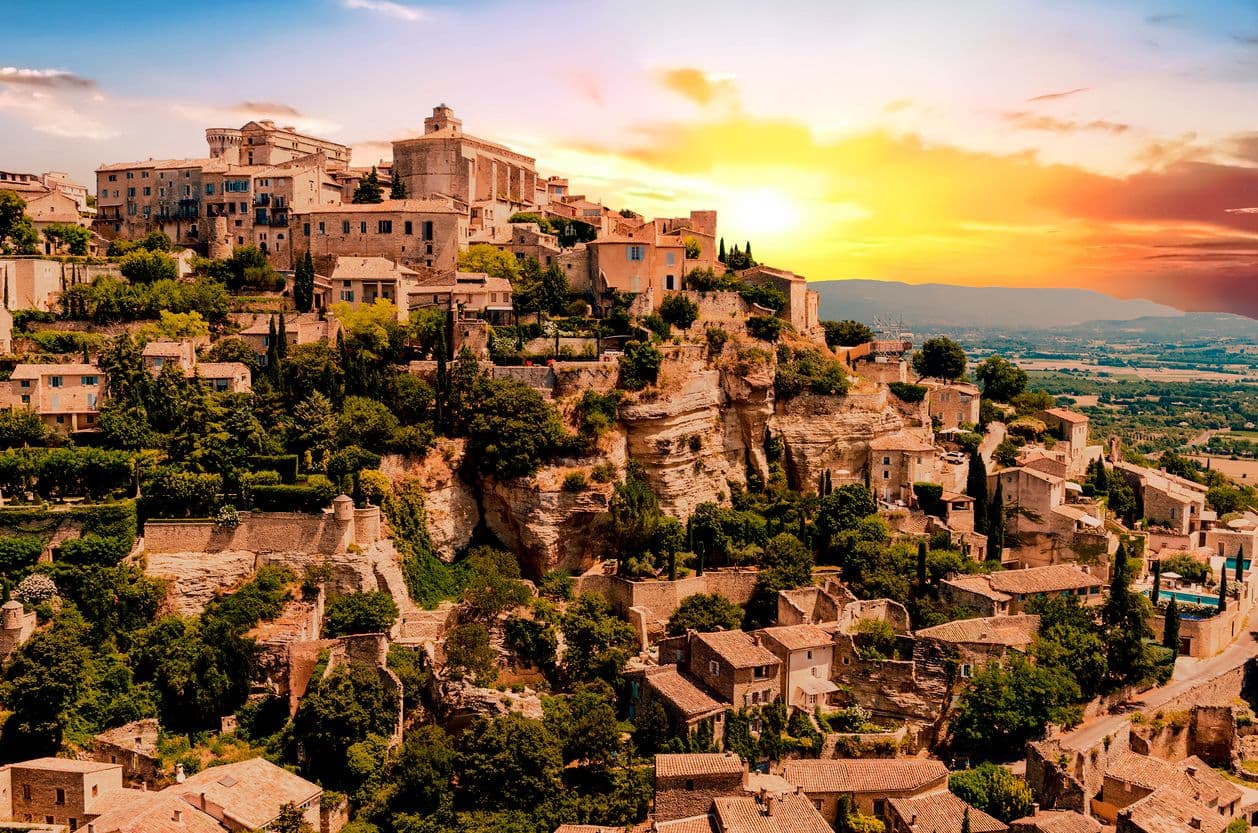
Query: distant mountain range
column 923, row 306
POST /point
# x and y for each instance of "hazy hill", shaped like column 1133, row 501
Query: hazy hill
column 1193, row 325
column 941, row 305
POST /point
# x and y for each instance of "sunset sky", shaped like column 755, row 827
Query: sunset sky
column 1110, row 145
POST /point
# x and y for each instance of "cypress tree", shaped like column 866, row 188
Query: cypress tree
column 1102, row 479
column 1157, row 581
column 1170, row 630
column 1223, row 591
column 397, row 190
column 921, row 563
column 976, row 487
column 829, row 485
column 281, row 336
column 303, row 283
column 750, row 262
column 272, row 354
column 996, row 524
column 965, row 821
column 1240, row 551
column 720, row 256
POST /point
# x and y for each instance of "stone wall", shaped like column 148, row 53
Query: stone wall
column 257, row 532
column 658, row 599
column 679, row 798
column 573, row 378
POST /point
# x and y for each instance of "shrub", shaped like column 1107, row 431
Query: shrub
column 929, row 497
column 95, row 549
column 145, row 267
column 764, row 294
column 808, row 369
column 313, row 496
column 640, row 365
column 556, row 585
column 908, row 392
column 679, row 311
column 284, row 464
column 764, row 327
column 603, row 473
column 716, row 339
column 596, row 412
column 574, row 482
column 656, row 324
column 36, row 588
column 16, row 553
column 369, row 612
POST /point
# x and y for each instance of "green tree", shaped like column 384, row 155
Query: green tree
column 482, row 257
column 345, row 708
column 303, row 282
column 586, row 726
column 41, row 683
column 369, row 189
column 495, row 587
column 1170, row 629
column 704, row 612
column 842, row 509
column 1070, row 638
column 509, row 762
column 597, row 642
column 371, row 611
column 940, row 358
column 1002, row 380
column 994, row 790
column 397, row 188
column 679, row 311
column 512, row 430
column 470, row 655
column 1125, row 621
column 145, row 267
column 17, row 233
column 71, row 235
column 424, row 773
column 976, row 487
column 290, row 820
column 640, row 365
column 1005, row 706
column 846, row 333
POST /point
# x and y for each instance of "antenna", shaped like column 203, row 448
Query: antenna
column 890, row 327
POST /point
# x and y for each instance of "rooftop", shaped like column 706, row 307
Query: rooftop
column 250, row 792
column 901, row 441
column 1166, row 810
column 1189, row 777
column 64, row 765
column 681, row 693
column 943, row 812
column 1012, row 631
column 864, row 775
column 1066, row 415
column 1053, row 578
column 350, row 268
column 799, row 637
column 738, row 648
column 1058, row 821
column 688, row 765
column 436, row 206
column 790, row 813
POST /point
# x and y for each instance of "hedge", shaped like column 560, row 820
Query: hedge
column 284, row 464
column 908, row 392
column 85, row 472
column 312, row 497
column 95, row 549
column 16, row 553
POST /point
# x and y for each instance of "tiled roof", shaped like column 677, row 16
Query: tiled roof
column 692, row 764
column 348, row 268
column 694, row 824
column 220, row 370
column 587, row 828
column 865, row 775
column 738, row 649
column 1191, row 777
column 901, row 441
column 1065, row 415
column 681, row 693
column 155, row 164
column 1056, row 821
column 63, row 765
column 135, row 811
column 799, row 637
column 250, row 792
column 34, row 371
column 1013, row 631
column 1042, row 579
column 790, row 813
column 943, row 812
column 1166, row 810
column 977, row 584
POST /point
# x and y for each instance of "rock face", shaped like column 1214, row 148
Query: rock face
column 833, row 432
column 449, row 502
column 547, row 526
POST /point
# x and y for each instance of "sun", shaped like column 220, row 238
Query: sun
column 761, row 212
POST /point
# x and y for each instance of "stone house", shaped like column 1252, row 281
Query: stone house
column 1067, row 426
column 686, row 784
column 870, row 783
column 524, row 240
column 700, row 227
column 16, row 626
column 897, row 461
column 134, row 747
column 1166, row 809
column 735, row 666
column 970, row 644
column 473, row 294
column 637, row 261
column 688, row 706
column 1049, row 519
column 361, row 281
column 1054, row 821
column 1008, row 591
column 66, row 396
column 427, row 233
column 953, row 404
column 57, row 790
column 806, row 653
column 181, row 352
column 1169, row 501
column 766, row 812
column 802, row 304
column 1130, row 777
column 299, row 328
column 940, row 812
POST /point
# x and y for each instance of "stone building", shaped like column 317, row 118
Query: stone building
column 898, row 460
column 1008, row 591
column 427, row 233
column 637, row 261
column 953, row 404
column 686, row 784
column 524, row 240
column 1050, row 519
column 1170, row 502
column 1067, row 426
column 690, row 709
column 66, row 396
column 1054, row 821
column 299, row 328
column 766, row 812
column 16, row 626
column 733, row 665
column 802, row 303
column 806, row 653
column 471, row 294
column 492, row 180
column 870, row 783
column 262, row 143
column 57, row 790
column 361, row 281
column 970, row 644
column 940, row 812
column 134, row 747
column 1130, row 777
column 1165, row 810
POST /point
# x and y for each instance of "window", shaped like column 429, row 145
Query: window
column 670, row 258
column 670, row 281
column 345, row 227
column 26, row 792
column 54, row 381
column 347, row 295
column 113, row 177
column 690, row 785
column 89, row 380
column 635, row 253
column 886, row 461
column 714, row 668
column 880, row 807
column 61, row 796
column 427, row 229
column 816, row 672
column 323, row 228
column 761, row 672
column 26, row 383
column 131, row 191
column 209, row 188
column 408, row 227
column 384, row 227
column 810, row 654
column 886, row 475
column 362, row 227
column 305, row 229
column 967, row 671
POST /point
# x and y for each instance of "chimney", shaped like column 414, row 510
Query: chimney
column 1191, row 769
column 912, row 819
column 1035, row 808
column 179, row 776
column 203, row 809
column 769, row 802
column 177, row 816
column 1195, row 822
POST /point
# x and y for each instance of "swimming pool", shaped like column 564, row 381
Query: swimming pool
column 1186, row 597
column 1231, row 565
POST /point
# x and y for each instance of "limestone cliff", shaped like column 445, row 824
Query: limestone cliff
column 449, row 501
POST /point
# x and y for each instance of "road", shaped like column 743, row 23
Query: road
column 1088, row 734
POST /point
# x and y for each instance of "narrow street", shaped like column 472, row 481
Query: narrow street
column 1188, row 673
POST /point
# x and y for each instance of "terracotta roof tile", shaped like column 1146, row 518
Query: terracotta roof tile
column 865, row 775
column 738, row 649
column 799, row 637
column 688, row 765
column 1042, row 579
column 1166, row 810
column 1056, row 821
column 680, row 692
column 791, row 813
column 694, row 824
column 1013, row 631
column 942, row 812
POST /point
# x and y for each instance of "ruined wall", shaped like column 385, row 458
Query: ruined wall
column 658, row 599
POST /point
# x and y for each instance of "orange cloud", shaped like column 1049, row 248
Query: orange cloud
column 1034, row 121
column 696, row 85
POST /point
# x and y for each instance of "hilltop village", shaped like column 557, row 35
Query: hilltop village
column 433, row 496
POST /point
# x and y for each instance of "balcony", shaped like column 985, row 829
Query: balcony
column 279, row 220
column 262, row 199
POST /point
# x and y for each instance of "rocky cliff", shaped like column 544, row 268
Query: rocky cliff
column 450, row 502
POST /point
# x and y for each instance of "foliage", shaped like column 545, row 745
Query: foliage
column 369, row 189
column 704, row 612
column 994, row 790
column 597, row 642
column 342, row 709
column 543, row 224
column 908, row 392
column 512, row 430
column 371, row 611
column 36, row 589
column 17, row 233
column 765, row 327
column 843, row 508
column 1002, row 380
column 941, row 358
column 679, row 311
column 1008, row 705
column 71, row 235
column 807, row 369
column 533, row 640
column 470, row 655
column 1185, row 565
column 482, row 257
column 640, row 365
column 303, row 282
column 846, row 333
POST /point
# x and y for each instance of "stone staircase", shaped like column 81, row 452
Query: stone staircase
column 415, row 625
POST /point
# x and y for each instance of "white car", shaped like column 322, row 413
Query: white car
column 954, row 457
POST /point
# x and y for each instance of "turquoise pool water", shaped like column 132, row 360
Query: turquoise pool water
column 1231, row 565
column 1187, row 598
